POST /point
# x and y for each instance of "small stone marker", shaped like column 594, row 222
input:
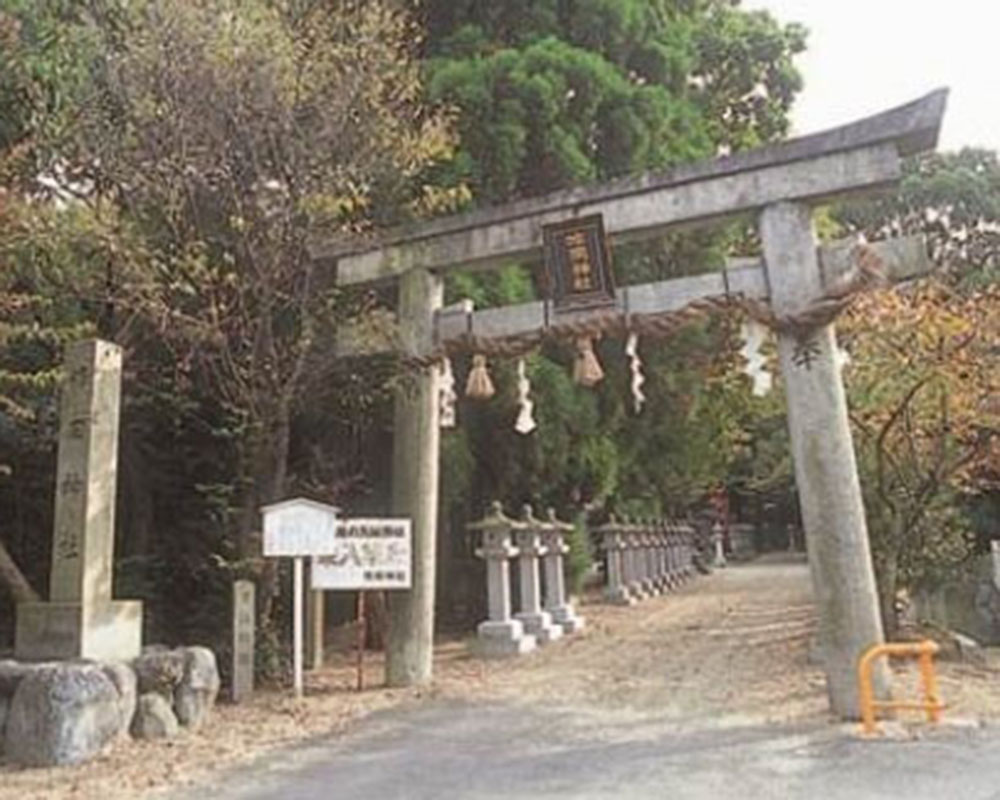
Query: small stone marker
column 81, row 620
column 315, row 628
column 995, row 561
column 244, row 629
column 717, row 542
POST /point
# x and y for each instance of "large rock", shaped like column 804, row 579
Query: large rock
column 159, row 670
column 62, row 714
column 12, row 673
column 125, row 683
column 195, row 696
column 4, row 708
column 154, row 718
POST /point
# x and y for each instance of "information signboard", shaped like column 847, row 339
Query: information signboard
column 367, row 554
column 299, row 528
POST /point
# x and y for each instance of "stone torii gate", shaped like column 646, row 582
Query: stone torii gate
column 781, row 184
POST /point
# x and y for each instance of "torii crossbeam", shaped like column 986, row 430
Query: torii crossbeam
column 781, row 184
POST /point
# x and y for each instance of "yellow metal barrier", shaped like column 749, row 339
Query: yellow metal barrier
column 924, row 652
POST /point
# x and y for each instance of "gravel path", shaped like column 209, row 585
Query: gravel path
column 722, row 660
column 733, row 643
column 706, row 694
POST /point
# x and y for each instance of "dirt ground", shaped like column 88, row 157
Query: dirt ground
column 731, row 646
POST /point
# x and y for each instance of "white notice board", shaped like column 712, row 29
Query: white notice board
column 299, row 528
column 367, row 554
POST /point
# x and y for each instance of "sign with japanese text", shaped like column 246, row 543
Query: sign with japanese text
column 367, row 554
column 578, row 264
column 299, row 528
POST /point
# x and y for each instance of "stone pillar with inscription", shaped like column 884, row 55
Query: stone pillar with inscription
column 81, row 620
column 244, row 630
column 315, row 607
column 718, row 539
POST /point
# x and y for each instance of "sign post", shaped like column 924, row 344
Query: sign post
column 367, row 554
column 298, row 528
column 362, row 633
column 351, row 554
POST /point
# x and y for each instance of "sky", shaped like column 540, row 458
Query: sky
column 865, row 56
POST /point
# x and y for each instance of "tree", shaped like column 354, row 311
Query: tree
column 202, row 145
column 951, row 198
column 41, row 69
column 922, row 384
column 552, row 93
column 924, row 370
column 227, row 133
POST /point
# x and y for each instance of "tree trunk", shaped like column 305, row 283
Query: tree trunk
column 13, row 579
column 269, row 487
column 887, row 579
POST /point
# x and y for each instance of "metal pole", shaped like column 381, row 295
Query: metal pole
column 362, row 630
column 297, row 627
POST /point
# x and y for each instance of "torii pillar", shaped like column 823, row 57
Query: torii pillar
column 416, row 444
column 825, row 469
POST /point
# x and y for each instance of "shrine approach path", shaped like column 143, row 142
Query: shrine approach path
column 708, row 692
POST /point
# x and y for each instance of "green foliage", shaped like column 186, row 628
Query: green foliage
column 550, row 94
column 553, row 115
column 924, row 369
column 164, row 163
column 954, row 200
column 580, row 558
column 162, row 166
column 562, row 93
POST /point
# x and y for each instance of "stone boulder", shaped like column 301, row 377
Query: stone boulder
column 195, row 696
column 4, row 708
column 125, row 682
column 159, row 670
column 12, row 673
column 154, row 718
column 63, row 714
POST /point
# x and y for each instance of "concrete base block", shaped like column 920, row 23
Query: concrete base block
column 566, row 618
column 503, row 639
column 619, row 597
column 540, row 626
column 638, row 592
column 109, row 631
